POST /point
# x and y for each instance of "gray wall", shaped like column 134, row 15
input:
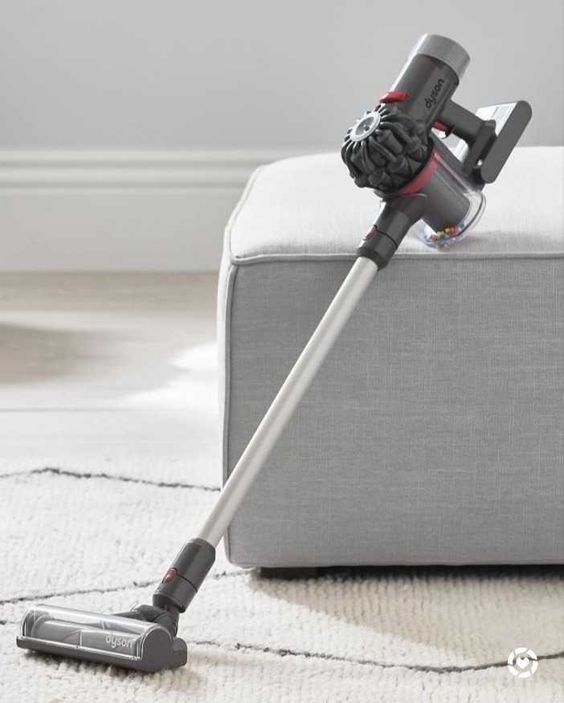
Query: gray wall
column 251, row 74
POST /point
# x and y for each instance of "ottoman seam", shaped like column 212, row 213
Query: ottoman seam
column 270, row 258
column 236, row 212
column 231, row 278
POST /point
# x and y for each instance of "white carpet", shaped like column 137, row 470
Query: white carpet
column 98, row 540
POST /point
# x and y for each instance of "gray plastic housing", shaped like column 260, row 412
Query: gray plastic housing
column 445, row 50
column 105, row 639
column 185, row 576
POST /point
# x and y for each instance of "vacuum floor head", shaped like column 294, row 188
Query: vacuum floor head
column 107, row 639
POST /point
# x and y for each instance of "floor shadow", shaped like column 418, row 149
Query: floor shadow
column 426, row 605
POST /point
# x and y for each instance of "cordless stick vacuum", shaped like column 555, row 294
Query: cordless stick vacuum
column 396, row 149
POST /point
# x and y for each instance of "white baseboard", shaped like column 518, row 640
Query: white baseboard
column 110, row 211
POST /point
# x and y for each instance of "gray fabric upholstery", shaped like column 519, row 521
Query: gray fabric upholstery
column 308, row 206
column 433, row 434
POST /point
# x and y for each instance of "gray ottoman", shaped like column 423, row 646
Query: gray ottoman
column 434, row 432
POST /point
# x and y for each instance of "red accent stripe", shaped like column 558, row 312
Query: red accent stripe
column 441, row 126
column 170, row 575
column 394, row 96
column 423, row 177
column 372, row 233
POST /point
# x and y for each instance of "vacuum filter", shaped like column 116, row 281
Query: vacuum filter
column 108, row 639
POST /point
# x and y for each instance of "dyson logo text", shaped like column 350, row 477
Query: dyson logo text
column 116, row 642
column 431, row 101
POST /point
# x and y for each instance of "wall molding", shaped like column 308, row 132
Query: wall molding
column 120, row 210
column 152, row 169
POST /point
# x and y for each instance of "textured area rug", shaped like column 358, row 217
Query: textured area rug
column 96, row 538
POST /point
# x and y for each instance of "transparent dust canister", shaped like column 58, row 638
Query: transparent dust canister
column 454, row 203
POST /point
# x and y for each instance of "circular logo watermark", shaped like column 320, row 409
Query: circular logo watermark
column 522, row 662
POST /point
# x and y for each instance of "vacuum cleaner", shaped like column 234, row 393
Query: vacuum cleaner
column 398, row 149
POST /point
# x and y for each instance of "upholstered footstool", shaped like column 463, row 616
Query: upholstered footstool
column 434, row 432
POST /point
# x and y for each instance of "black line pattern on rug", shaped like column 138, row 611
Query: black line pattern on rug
column 110, row 589
column 238, row 646
column 323, row 656
column 125, row 479
column 281, row 652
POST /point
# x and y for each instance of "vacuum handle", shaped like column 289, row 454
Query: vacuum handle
column 510, row 120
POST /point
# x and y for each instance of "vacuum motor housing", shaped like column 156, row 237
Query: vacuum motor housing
column 395, row 150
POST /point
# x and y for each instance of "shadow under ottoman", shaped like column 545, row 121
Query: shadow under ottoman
column 433, row 433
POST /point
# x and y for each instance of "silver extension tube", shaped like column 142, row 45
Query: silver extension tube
column 287, row 399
